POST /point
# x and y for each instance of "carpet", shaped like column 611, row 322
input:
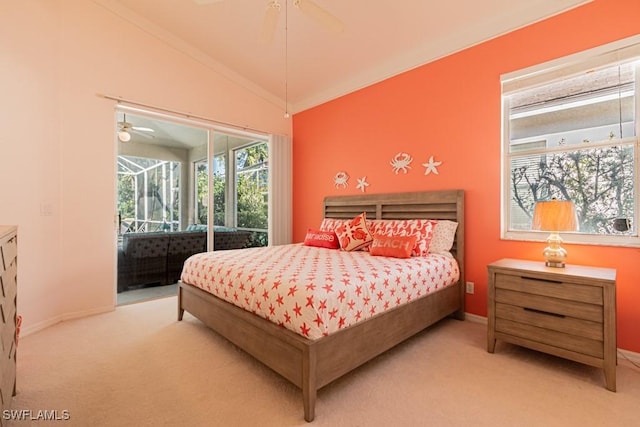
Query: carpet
column 138, row 366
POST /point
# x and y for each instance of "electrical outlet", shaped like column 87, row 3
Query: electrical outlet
column 469, row 287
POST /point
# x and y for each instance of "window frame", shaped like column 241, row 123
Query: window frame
column 610, row 54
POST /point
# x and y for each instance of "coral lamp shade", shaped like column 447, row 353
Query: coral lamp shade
column 555, row 215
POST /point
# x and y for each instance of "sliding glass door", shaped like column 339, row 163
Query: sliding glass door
column 236, row 184
column 186, row 186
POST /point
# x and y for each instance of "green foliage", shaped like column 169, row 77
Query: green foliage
column 202, row 192
column 252, row 186
column 219, row 191
column 126, row 196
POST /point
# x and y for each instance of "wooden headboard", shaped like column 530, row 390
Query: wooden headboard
column 445, row 204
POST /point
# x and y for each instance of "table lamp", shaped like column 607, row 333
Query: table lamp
column 555, row 216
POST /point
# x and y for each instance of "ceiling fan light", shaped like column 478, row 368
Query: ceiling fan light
column 124, row 136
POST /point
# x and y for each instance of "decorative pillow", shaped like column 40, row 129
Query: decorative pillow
column 322, row 239
column 393, row 246
column 354, row 234
column 421, row 228
column 443, row 234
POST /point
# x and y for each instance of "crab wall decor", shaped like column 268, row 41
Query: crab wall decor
column 401, row 162
column 341, row 179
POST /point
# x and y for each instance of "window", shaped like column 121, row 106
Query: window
column 571, row 133
column 148, row 194
column 252, row 189
column 240, row 189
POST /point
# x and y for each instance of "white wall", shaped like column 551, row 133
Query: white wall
column 57, row 147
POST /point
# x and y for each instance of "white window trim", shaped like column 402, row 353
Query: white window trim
column 541, row 74
column 571, row 65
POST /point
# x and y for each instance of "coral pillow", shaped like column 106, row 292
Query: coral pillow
column 322, row 239
column 393, row 246
column 354, row 234
column 421, row 228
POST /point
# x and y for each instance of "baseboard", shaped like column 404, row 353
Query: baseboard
column 92, row 312
column 626, row 354
column 61, row 318
column 39, row 326
column 630, row 356
column 475, row 318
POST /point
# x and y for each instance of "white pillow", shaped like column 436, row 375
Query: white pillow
column 443, row 236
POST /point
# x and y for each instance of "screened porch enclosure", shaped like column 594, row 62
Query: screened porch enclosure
column 204, row 181
column 148, row 194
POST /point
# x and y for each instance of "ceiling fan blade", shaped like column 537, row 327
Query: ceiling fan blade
column 270, row 21
column 142, row 129
column 143, row 134
column 315, row 12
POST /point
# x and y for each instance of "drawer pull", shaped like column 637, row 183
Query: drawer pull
column 541, row 280
column 548, row 313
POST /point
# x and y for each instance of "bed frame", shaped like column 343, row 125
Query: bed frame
column 310, row 365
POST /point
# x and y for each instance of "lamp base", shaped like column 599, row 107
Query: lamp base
column 554, row 264
column 554, row 254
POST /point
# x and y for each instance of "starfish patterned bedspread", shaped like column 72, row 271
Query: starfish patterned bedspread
column 316, row 291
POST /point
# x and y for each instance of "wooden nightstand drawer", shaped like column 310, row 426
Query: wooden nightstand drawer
column 569, row 312
column 550, row 288
column 555, row 306
column 533, row 334
column 551, row 321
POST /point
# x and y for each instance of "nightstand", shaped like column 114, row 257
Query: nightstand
column 568, row 312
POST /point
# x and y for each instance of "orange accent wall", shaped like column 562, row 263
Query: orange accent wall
column 450, row 109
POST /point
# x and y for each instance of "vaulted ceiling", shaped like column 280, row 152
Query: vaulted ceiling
column 308, row 63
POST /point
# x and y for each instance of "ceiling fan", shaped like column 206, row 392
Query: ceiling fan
column 308, row 7
column 125, row 129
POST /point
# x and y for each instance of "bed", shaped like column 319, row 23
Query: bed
column 311, row 364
